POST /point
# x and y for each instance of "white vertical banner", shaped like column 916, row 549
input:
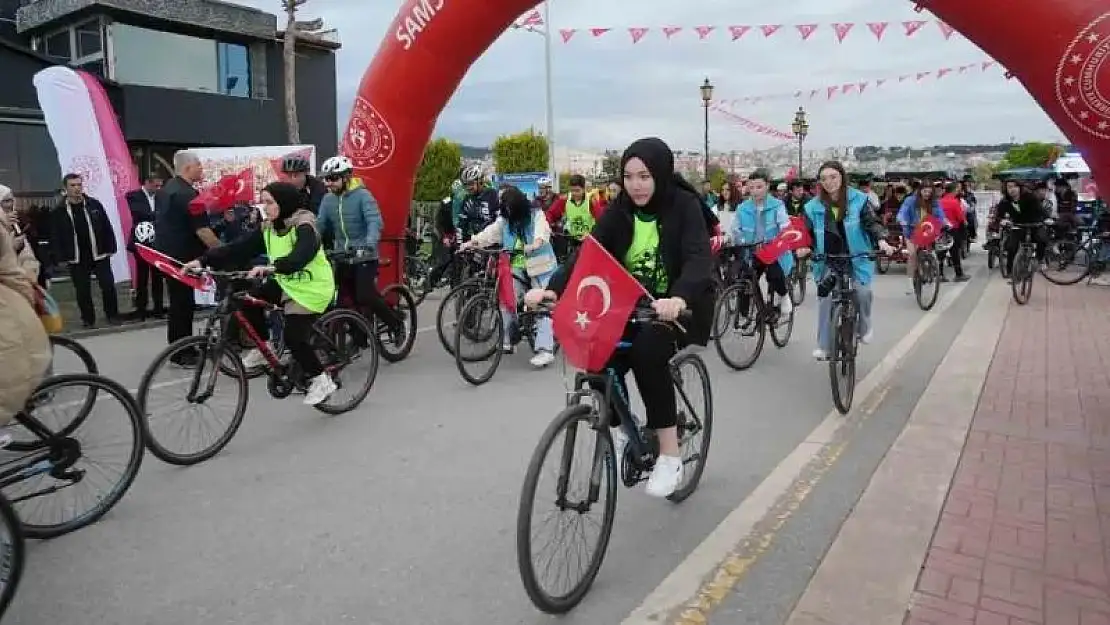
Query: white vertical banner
column 72, row 124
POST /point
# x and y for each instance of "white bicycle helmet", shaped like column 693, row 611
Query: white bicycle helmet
column 544, row 182
column 470, row 174
column 337, row 166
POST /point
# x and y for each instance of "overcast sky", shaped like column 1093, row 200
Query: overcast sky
column 609, row 91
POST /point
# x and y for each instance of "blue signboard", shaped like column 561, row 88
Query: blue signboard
column 528, row 183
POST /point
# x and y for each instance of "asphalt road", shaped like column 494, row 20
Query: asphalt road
column 403, row 511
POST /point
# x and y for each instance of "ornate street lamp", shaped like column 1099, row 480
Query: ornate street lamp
column 801, row 129
column 706, row 98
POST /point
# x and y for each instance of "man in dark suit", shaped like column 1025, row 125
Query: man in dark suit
column 82, row 238
column 148, row 280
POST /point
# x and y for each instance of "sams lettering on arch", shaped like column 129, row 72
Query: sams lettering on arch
column 419, row 17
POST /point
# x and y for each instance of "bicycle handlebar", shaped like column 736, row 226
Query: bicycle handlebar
column 826, row 257
column 352, row 255
column 640, row 314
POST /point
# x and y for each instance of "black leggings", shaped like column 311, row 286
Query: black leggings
column 360, row 281
column 653, row 346
column 297, row 331
column 1013, row 242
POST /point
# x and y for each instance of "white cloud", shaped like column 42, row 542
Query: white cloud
column 608, row 91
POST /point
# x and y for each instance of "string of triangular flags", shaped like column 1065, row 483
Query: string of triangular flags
column 860, row 86
column 840, row 30
column 753, row 125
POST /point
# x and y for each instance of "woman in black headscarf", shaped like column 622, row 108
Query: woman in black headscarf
column 673, row 262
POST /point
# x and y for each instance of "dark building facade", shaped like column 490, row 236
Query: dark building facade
column 180, row 73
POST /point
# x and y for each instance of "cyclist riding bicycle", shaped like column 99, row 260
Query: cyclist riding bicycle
column 302, row 279
column 351, row 220
column 915, row 209
column 480, row 208
column 296, row 168
column 1020, row 207
column 657, row 228
column 760, row 218
column 24, row 345
column 524, row 231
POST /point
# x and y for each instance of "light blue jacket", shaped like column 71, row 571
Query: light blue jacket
column 858, row 242
column 908, row 217
column 353, row 219
column 541, row 263
column 774, row 217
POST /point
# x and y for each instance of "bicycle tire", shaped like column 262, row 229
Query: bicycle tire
column 781, row 331
column 755, row 317
column 844, row 356
column 200, row 343
column 540, row 598
column 456, row 298
column 1075, row 252
column 475, row 308
column 927, row 292
column 107, row 387
column 15, row 558
column 694, row 360
column 277, row 346
column 406, row 304
column 362, row 327
column 883, row 263
column 992, row 259
column 78, row 350
column 798, row 284
column 417, row 274
column 1021, row 284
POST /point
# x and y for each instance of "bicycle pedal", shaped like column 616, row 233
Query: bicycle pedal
column 72, row 475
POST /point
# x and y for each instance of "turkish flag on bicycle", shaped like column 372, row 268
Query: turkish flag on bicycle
column 792, row 237
column 506, row 293
column 171, row 267
column 927, row 231
column 591, row 315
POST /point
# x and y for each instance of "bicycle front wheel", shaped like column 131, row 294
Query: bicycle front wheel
column 842, row 365
column 479, row 340
column 350, row 355
column 798, row 281
column 447, row 314
column 739, row 326
column 396, row 346
column 926, row 281
column 695, row 420
column 12, row 554
column 583, row 470
column 1022, row 280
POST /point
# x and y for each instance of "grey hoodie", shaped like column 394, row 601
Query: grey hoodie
column 353, row 220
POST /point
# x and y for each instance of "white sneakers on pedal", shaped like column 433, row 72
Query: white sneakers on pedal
column 820, row 354
column 320, row 389
column 665, row 477
column 253, row 359
column 542, row 359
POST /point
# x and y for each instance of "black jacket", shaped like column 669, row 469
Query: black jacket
column 683, row 246
column 1027, row 210
column 141, row 213
column 312, row 194
column 63, row 239
column 175, row 226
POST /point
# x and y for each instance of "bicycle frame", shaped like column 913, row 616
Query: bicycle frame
column 48, row 455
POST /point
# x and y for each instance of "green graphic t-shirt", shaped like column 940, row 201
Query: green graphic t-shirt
column 519, row 261
column 642, row 259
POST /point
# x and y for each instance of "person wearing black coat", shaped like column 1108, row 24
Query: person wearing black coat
column 677, row 273
column 148, row 280
column 1020, row 207
column 81, row 237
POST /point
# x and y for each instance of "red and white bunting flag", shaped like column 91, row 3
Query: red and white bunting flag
column 738, row 31
column 903, row 78
column 945, row 29
column 922, row 75
column 879, row 82
column 637, row 33
column 532, row 19
column 912, row 26
column 770, row 29
column 831, row 91
column 847, row 87
column 842, row 29
column 862, row 86
column 942, row 71
column 964, row 68
column 567, row 33
column 597, row 32
column 813, row 94
column 806, row 30
column 797, row 94
column 877, row 29
column 704, row 31
column 986, row 65
column 671, row 31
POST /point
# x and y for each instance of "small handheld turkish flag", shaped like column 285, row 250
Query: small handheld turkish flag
column 171, row 267
column 792, row 237
column 591, row 315
column 927, row 231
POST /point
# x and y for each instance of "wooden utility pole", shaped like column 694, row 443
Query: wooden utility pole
column 290, row 62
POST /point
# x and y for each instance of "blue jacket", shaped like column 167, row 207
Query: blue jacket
column 854, row 228
column 353, row 220
column 541, row 263
column 908, row 217
column 774, row 218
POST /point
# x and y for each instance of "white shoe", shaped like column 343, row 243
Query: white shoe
column 254, row 359
column 820, row 354
column 665, row 477
column 786, row 306
column 867, row 338
column 321, row 388
column 542, row 359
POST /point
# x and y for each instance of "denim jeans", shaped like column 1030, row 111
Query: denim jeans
column 545, row 335
column 824, row 323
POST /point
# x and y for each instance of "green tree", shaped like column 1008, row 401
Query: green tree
column 564, row 181
column 522, row 153
column 983, row 172
column 1031, row 154
column 438, row 169
column 611, row 167
column 717, row 176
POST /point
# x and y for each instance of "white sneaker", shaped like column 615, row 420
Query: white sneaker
column 321, row 388
column 786, row 306
column 820, row 354
column 253, row 359
column 542, row 359
column 665, row 477
column 867, row 338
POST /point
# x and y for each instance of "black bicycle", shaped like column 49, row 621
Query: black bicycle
column 597, row 400
column 926, row 278
column 1025, row 261
column 797, row 280
column 743, row 312
column 342, row 338
column 12, row 548
column 839, row 284
column 394, row 346
column 478, row 274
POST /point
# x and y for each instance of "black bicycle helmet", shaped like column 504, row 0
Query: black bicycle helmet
column 294, row 165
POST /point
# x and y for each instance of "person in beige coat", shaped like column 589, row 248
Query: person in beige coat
column 24, row 346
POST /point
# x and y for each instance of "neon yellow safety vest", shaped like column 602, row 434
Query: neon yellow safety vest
column 314, row 287
column 580, row 221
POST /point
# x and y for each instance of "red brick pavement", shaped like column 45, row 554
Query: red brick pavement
column 1024, row 536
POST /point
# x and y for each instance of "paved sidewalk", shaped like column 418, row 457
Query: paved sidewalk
column 1022, row 535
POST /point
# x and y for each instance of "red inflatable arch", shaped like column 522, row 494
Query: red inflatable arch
column 1059, row 50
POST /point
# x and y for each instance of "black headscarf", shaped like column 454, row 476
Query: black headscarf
column 288, row 199
column 517, row 209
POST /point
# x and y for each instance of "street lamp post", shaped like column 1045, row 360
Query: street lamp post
column 801, row 129
column 706, row 98
column 549, row 113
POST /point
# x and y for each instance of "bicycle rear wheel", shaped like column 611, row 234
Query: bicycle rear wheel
column 237, row 342
column 695, row 420
column 842, row 365
column 926, row 281
column 447, row 314
column 741, row 324
column 585, row 451
column 81, row 359
column 397, row 348
column 350, row 355
column 39, row 471
column 1022, row 283
column 1067, row 263
column 12, row 554
column 197, row 389
column 479, row 337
